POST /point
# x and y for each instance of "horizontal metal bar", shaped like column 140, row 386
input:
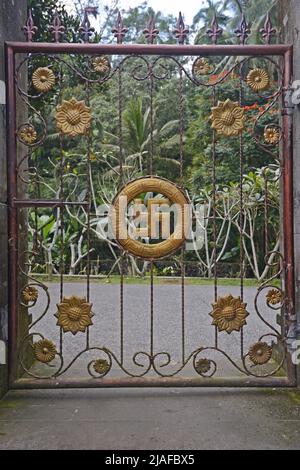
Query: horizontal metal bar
column 150, row 49
column 130, row 382
column 45, row 203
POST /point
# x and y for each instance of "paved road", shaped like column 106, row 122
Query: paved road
column 167, row 323
column 171, row 418
column 150, row 419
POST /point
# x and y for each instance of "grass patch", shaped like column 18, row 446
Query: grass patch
column 164, row 280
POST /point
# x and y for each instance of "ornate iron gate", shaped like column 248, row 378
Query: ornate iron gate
column 45, row 354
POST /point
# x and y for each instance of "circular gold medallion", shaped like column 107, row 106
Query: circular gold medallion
column 176, row 198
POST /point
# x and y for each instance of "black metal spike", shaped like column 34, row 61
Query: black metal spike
column 57, row 29
column 180, row 32
column 268, row 31
column 29, row 29
column 119, row 31
column 151, row 32
column 85, row 29
column 214, row 32
column 243, row 31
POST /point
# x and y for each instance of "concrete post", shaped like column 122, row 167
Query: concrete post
column 12, row 17
column 289, row 18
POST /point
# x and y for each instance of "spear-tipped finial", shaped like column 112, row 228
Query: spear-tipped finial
column 85, row 29
column 151, row 32
column 29, row 29
column 268, row 31
column 214, row 32
column 180, row 32
column 57, row 29
column 119, row 31
column 243, row 31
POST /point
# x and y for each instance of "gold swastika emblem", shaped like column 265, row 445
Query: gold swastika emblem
column 157, row 222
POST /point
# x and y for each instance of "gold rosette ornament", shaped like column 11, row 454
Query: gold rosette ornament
column 101, row 366
column 271, row 135
column 30, row 294
column 44, row 350
column 260, row 353
column 27, row 134
column 229, row 313
column 43, row 79
column 74, row 314
column 101, row 64
column 274, row 297
column 202, row 366
column 201, row 66
column 73, row 117
column 228, row 118
column 258, row 79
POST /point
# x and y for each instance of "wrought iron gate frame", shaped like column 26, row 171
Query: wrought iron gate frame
column 284, row 51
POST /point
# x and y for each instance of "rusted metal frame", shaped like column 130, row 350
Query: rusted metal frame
column 288, row 202
column 150, row 49
column 141, row 382
column 287, row 194
column 12, row 210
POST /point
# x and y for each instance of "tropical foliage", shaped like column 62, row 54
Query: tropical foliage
column 63, row 172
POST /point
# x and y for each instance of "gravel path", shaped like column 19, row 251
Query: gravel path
column 167, row 318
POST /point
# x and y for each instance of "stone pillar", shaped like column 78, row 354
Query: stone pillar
column 12, row 17
column 289, row 20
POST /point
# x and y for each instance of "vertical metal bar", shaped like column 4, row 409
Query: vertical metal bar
column 89, row 185
column 241, row 219
column 181, row 159
column 12, row 211
column 122, row 309
column 151, row 172
column 181, row 124
column 60, row 211
column 214, row 214
column 288, row 219
column 151, row 123
column 120, row 95
column 182, row 267
column 61, row 227
column 288, row 204
column 151, row 311
column 266, row 229
column 121, row 182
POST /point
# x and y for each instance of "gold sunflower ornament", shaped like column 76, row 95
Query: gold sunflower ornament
column 101, row 64
column 228, row 118
column 201, row 66
column 30, row 294
column 258, row 79
column 74, row 314
column 271, row 135
column 101, row 366
column 73, row 117
column 274, row 297
column 229, row 313
column 44, row 350
column 202, row 366
column 27, row 134
column 260, row 353
column 43, row 79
